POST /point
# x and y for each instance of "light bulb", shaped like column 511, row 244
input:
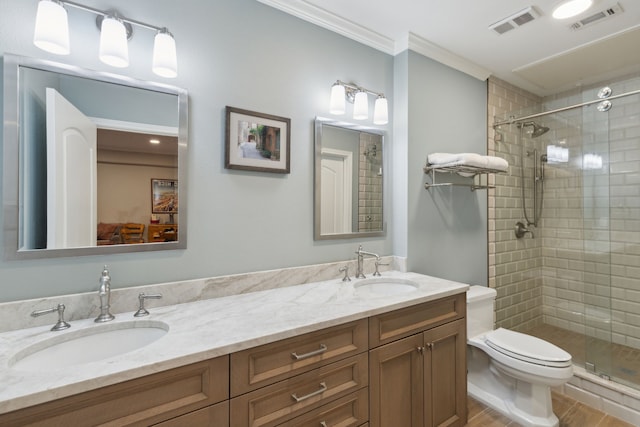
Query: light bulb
column 113, row 43
column 337, row 103
column 361, row 106
column 381, row 111
column 52, row 28
column 165, row 62
column 571, row 8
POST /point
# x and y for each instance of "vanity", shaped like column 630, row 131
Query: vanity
column 372, row 352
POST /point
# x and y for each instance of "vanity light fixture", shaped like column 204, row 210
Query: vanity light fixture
column 52, row 28
column 52, row 34
column 113, row 42
column 571, row 8
column 361, row 106
column 358, row 96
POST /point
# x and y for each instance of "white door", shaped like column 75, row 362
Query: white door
column 335, row 193
column 71, row 175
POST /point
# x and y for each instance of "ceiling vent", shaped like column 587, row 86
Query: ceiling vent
column 514, row 21
column 604, row 14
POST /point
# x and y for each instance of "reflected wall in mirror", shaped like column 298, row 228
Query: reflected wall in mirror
column 348, row 180
column 80, row 150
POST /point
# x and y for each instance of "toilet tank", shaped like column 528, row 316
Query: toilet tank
column 480, row 306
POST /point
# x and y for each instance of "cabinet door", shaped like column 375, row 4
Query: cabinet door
column 445, row 375
column 396, row 393
column 136, row 403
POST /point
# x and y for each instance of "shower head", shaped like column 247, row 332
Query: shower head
column 538, row 130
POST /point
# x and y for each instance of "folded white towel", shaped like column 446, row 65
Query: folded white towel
column 497, row 163
column 467, row 159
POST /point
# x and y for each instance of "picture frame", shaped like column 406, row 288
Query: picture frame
column 164, row 196
column 257, row 141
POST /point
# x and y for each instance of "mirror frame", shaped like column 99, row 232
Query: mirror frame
column 11, row 162
column 317, row 187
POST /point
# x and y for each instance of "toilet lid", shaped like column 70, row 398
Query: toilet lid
column 527, row 348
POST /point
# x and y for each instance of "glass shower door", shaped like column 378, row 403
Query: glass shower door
column 594, row 161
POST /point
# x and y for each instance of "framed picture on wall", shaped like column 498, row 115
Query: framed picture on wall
column 164, row 196
column 257, row 142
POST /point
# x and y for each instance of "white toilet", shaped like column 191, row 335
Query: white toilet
column 509, row 371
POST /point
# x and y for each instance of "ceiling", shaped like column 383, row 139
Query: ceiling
column 137, row 142
column 543, row 56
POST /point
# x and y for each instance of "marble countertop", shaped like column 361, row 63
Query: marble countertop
column 202, row 330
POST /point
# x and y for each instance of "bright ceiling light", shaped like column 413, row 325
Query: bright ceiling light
column 571, row 8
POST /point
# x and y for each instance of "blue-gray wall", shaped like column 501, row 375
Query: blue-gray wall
column 447, row 112
column 244, row 54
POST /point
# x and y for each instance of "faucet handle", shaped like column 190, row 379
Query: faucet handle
column 141, row 298
column 377, row 273
column 60, row 324
column 345, row 270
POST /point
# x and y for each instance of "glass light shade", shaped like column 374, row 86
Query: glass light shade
column 361, row 106
column 165, row 62
column 113, row 43
column 571, row 8
column 52, row 28
column 381, row 111
column 337, row 104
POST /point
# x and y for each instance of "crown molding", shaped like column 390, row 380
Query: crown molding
column 332, row 22
column 426, row 48
column 325, row 19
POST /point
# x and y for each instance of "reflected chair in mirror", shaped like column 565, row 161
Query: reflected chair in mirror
column 132, row 233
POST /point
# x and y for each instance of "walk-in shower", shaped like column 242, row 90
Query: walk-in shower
column 575, row 177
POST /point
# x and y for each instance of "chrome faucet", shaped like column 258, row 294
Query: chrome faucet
column 361, row 254
column 104, row 292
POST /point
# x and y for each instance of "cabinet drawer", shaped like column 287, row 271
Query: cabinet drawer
column 391, row 326
column 267, row 364
column 140, row 402
column 348, row 411
column 212, row 416
column 285, row 400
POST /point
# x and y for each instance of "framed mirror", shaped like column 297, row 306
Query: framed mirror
column 93, row 163
column 348, row 187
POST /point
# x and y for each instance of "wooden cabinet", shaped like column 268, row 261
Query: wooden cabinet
column 141, row 402
column 162, row 232
column 445, row 379
column 274, row 383
column 420, row 379
column 402, row 368
column 396, row 378
column 269, row 363
column 274, row 404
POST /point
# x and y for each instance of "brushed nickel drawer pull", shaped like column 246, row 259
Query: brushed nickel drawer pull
column 323, row 388
column 321, row 350
column 323, row 424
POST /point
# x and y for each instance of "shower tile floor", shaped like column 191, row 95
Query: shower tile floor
column 570, row 412
column 624, row 363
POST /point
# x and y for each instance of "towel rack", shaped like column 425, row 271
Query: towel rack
column 464, row 170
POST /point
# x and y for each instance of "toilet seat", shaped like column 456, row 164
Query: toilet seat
column 527, row 348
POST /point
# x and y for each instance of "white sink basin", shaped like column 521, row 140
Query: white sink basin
column 382, row 286
column 88, row 345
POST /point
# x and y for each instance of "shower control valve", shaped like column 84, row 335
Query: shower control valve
column 521, row 230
